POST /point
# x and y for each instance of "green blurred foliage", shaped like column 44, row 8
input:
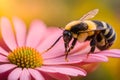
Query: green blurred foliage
column 60, row 12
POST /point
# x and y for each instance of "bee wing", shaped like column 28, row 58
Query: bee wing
column 89, row 15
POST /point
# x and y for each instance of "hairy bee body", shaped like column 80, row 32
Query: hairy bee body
column 99, row 33
column 105, row 35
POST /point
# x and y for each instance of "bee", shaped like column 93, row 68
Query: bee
column 99, row 33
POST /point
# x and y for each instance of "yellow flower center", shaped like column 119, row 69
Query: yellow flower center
column 26, row 57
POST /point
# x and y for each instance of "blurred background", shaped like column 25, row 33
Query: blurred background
column 58, row 13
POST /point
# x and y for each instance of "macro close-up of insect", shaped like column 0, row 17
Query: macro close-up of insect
column 99, row 33
column 59, row 39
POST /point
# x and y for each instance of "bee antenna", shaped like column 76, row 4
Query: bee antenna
column 61, row 28
column 53, row 44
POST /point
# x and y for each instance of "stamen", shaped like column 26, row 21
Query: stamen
column 25, row 57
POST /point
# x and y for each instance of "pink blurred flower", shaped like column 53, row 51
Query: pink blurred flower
column 24, row 60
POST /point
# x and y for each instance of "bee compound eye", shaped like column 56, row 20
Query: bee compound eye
column 67, row 36
column 66, row 33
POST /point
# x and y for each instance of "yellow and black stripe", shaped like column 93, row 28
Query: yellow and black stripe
column 108, row 34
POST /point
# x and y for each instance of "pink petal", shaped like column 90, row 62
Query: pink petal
column 46, row 76
column 95, row 58
column 3, row 59
column 76, row 59
column 59, row 50
column 81, row 48
column 46, row 69
column 7, row 33
column 15, row 74
column 25, row 75
column 50, row 39
column 52, row 30
column 67, row 70
column 20, row 30
column 35, row 34
column 58, row 76
column 73, row 58
column 3, row 52
column 6, row 67
column 61, row 60
column 35, row 74
column 111, row 53
column 91, row 58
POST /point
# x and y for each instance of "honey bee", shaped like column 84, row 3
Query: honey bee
column 99, row 33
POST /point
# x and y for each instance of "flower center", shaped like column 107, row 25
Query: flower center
column 26, row 57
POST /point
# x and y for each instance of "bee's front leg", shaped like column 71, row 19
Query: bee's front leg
column 71, row 47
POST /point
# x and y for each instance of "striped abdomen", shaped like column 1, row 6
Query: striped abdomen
column 106, row 37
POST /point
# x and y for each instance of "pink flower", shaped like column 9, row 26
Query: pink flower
column 24, row 60
column 22, row 57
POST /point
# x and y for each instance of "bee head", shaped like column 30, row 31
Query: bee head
column 67, row 36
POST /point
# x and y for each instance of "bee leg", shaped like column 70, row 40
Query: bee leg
column 71, row 47
column 92, row 44
column 66, row 47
